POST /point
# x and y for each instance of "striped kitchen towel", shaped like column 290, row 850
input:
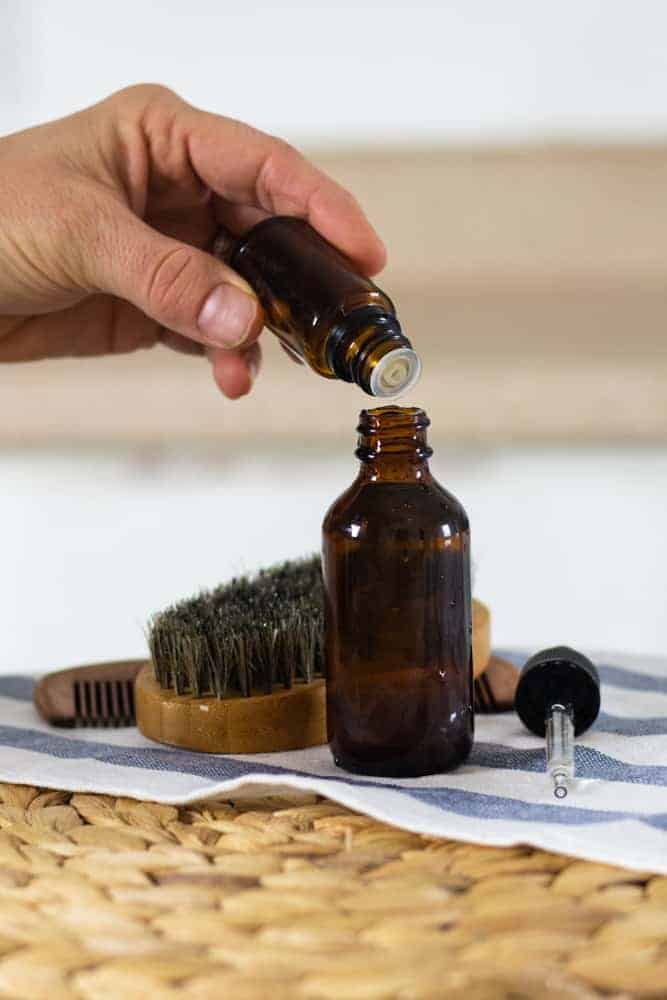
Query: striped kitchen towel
column 616, row 812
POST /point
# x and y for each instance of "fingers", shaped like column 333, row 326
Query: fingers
column 276, row 179
column 182, row 288
column 235, row 371
column 248, row 168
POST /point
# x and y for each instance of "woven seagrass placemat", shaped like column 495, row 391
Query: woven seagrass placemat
column 301, row 898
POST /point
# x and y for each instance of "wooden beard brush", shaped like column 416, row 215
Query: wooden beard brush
column 239, row 669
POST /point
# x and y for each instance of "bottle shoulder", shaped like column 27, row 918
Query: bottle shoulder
column 343, row 505
column 427, row 502
column 452, row 503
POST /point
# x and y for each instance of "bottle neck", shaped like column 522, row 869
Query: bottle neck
column 367, row 346
column 392, row 445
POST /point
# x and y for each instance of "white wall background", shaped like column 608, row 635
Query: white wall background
column 322, row 73
column 568, row 547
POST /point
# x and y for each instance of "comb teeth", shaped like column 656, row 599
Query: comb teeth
column 104, row 703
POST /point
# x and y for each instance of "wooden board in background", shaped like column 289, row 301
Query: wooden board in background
column 532, row 281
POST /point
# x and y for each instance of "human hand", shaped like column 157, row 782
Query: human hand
column 105, row 217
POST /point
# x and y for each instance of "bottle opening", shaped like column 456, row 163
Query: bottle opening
column 393, row 431
column 393, row 419
column 395, row 373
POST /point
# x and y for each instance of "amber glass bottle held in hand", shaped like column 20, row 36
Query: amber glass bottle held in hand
column 396, row 563
column 323, row 311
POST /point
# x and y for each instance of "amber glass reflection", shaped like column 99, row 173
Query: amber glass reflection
column 396, row 561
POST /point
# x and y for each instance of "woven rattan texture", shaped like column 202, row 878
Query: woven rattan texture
column 300, row 898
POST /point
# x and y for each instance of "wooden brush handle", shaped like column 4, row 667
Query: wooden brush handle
column 265, row 723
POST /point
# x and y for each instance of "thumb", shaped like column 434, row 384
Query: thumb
column 182, row 288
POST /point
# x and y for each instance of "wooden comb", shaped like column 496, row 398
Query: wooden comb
column 100, row 695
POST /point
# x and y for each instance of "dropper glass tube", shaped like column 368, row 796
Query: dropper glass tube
column 560, row 748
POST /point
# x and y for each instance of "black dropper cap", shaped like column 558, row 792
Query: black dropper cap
column 558, row 676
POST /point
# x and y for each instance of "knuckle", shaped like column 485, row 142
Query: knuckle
column 140, row 95
column 282, row 147
column 171, row 285
column 283, row 156
column 286, row 172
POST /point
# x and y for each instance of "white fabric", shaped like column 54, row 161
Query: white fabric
column 615, row 813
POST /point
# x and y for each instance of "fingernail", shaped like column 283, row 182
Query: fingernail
column 227, row 316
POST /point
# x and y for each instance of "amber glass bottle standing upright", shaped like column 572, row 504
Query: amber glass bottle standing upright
column 323, row 311
column 398, row 632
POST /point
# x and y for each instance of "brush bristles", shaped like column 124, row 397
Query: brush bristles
column 245, row 636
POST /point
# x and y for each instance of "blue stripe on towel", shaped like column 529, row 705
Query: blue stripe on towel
column 619, row 725
column 482, row 806
column 632, row 680
column 590, row 763
column 658, row 820
column 221, row 768
column 16, row 686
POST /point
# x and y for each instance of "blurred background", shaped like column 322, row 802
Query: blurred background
column 513, row 156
